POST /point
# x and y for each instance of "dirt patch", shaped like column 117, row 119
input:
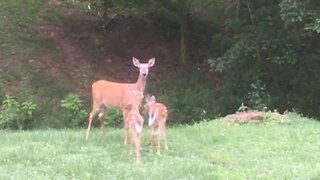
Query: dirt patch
column 258, row 117
column 107, row 53
column 69, row 47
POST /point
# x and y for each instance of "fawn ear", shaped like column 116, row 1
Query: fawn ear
column 135, row 62
column 151, row 62
column 153, row 98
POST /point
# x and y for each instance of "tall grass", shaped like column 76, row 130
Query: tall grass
column 208, row 150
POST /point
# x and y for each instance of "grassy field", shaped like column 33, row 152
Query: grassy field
column 209, row 150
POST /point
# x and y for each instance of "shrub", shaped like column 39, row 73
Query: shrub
column 15, row 115
column 73, row 113
column 113, row 118
column 189, row 98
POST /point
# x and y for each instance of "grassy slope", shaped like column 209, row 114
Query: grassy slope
column 19, row 23
column 20, row 44
column 207, row 150
column 26, row 57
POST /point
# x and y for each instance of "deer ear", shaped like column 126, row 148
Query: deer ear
column 135, row 62
column 151, row 62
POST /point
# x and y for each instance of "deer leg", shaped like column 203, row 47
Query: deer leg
column 151, row 136
column 95, row 108
column 158, row 146
column 102, row 126
column 126, row 126
column 150, row 141
column 165, row 137
column 159, row 140
column 92, row 113
column 137, row 144
column 131, row 142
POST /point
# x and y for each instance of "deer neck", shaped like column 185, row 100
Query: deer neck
column 141, row 83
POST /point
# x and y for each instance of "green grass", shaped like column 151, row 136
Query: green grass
column 209, row 150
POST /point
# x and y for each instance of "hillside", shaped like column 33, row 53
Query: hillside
column 78, row 49
column 49, row 49
column 96, row 53
column 52, row 48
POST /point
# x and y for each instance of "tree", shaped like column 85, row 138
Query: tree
column 182, row 11
column 268, row 51
column 107, row 10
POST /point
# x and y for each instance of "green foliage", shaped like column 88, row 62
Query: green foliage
column 113, row 118
column 242, row 108
column 9, row 112
column 104, row 8
column 70, row 3
column 187, row 96
column 301, row 14
column 73, row 113
column 264, row 53
column 16, row 115
column 258, row 97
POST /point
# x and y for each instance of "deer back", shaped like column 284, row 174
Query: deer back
column 112, row 94
column 162, row 110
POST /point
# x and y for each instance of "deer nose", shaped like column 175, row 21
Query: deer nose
column 144, row 74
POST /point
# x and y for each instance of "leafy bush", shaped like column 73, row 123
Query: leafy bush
column 188, row 97
column 258, row 96
column 262, row 67
column 73, row 113
column 276, row 118
column 113, row 118
column 306, row 13
column 15, row 115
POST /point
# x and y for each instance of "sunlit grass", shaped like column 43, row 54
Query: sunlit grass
column 209, row 150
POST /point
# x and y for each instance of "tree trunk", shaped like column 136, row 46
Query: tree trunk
column 183, row 45
column 183, row 33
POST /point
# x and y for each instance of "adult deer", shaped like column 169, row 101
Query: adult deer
column 117, row 95
column 158, row 114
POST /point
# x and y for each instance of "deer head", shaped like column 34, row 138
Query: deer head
column 149, row 102
column 143, row 67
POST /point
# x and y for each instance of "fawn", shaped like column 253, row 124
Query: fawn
column 134, row 120
column 158, row 114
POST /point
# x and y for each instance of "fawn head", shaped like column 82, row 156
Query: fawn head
column 143, row 67
column 149, row 101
